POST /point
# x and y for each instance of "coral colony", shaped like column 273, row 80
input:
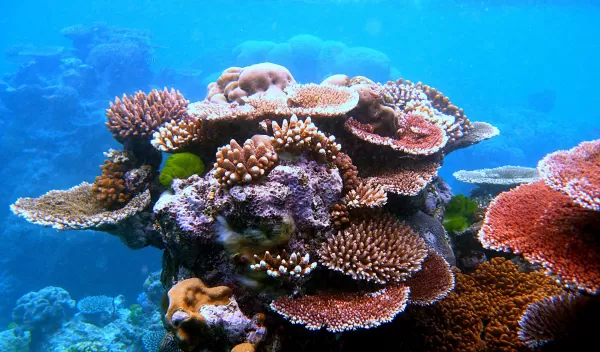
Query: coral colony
column 318, row 210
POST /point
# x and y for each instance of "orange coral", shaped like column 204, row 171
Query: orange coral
column 483, row 311
column 405, row 177
column 433, row 282
column 110, row 186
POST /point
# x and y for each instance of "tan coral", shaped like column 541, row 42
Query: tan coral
column 405, row 177
column 340, row 217
column 433, row 282
column 138, row 116
column 379, row 248
column 77, row 208
column 320, row 100
column 294, row 265
column 365, row 196
column 242, row 165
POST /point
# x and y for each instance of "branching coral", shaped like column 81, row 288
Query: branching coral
column 344, row 311
column 483, row 311
column 365, row 196
column 138, row 116
column 294, row 265
column 110, row 186
column 242, row 165
column 380, row 249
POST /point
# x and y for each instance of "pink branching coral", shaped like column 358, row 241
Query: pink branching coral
column 140, row 115
column 380, row 249
column 547, row 228
column 576, row 173
column 344, row 311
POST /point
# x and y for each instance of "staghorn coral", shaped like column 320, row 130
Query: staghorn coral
column 242, row 165
column 200, row 314
column 294, row 265
column 177, row 134
column 379, row 249
column 433, row 282
column 298, row 136
column 365, row 196
column 483, row 311
column 138, row 116
column 576, row 173
column 77, row 208
column 554, row 319
column 547, row 228
column 339, row 312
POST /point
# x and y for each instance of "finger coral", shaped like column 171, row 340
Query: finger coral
column 379, row 249
column 576, row 173
column 344, row 311
column 242, row 165
column 77, row 208
column 110, row 186
column 140, row 115
column 294, row 265
column 483, row 311
column 365, row 196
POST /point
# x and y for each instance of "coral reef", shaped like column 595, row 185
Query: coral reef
column 327, row 195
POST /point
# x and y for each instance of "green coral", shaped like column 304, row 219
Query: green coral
column 181, row 165
column 135, row 314
column 459, row 213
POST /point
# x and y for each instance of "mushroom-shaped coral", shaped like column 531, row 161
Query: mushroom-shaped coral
column 547, row 228
column 339, row 312
column 242, row 165
column 140, row 115
column 576, row 173
column 293, row 266
column 197, row 313
column 77, row 208
column 380, row 249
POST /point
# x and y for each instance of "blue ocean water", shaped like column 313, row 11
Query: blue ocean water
column 527, row 67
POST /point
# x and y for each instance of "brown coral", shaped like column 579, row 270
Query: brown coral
column 348, row 171
column 339, row 312
column 110, row 186
column 404, row 177
column 483, row 311
column 140, row 115
column 294, row 265
column 433, row 282
column 242, row 165
column 380, row 249
column 77, row 208
column 340, row 217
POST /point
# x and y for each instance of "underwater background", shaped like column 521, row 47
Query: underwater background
column 527, row 67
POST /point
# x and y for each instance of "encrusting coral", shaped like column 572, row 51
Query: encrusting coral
column 483, row 311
